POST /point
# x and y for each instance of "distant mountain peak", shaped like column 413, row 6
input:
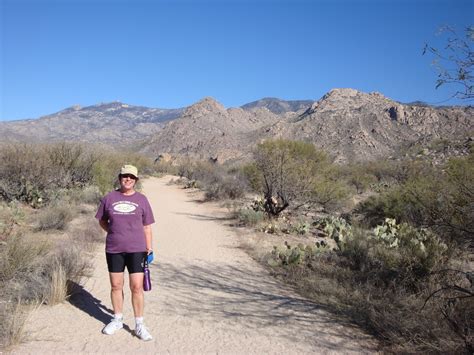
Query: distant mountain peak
column 346, row 98
column 278, row 106
column 207, row 105
column 342, row 92
column 345, row 93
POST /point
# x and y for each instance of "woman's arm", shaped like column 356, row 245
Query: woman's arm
column 104, row 224
column 148, row 238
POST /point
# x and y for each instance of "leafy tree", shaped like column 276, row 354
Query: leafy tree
column 455, row 62
column 289, row 172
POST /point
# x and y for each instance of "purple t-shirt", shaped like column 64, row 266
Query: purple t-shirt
column 126, row 216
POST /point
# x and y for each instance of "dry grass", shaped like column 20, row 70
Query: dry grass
column 40, row 268
column 58, row 285
column 54, row 217
column 395, row 314
column 14, row 314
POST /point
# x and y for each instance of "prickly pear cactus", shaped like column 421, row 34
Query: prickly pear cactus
column 388, row 232
column 335, row 228
column 297, row 255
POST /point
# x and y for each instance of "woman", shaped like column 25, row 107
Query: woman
column 126, row 216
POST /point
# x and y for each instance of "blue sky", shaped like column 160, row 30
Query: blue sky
column 169, row 54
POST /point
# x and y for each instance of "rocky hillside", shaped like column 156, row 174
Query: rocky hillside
column 279, row 106
column 351, row 124
column 207, row 129
column 348, row 124
column 113, row 123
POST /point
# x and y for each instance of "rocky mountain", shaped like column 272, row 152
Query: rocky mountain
column 279, row 106
column 352, row 125
column 112, row 123
column 348, row 124
column 207, row 129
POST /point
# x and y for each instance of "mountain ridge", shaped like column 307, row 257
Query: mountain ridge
column 349, row 124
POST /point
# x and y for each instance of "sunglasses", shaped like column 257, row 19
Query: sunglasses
column 130, row 176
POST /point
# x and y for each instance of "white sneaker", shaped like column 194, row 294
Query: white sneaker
column 113, row 326
column 142, row 333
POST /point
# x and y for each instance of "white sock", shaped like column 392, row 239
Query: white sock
column 138, row 321
column 118, row 316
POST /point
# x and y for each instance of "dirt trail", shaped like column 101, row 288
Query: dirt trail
column 208, row 297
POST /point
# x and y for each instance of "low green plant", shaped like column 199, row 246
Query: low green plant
column 286, row 173
column 301, row 227
column 298, row 255
column 437, row 198
column 250, row 217
column 271, row 227
column 223, row 187
column 416, row 251
column 335, row 228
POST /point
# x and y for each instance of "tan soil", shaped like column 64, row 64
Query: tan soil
column 208, row 296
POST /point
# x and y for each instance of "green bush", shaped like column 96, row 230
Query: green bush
column 359, row 176
column 298, row 255
column 440, row 199
column 335, row 228
column 408, row 254
column 253, row 176
column 301, row 227
column 330, row 190
column 222, row 187
column 217, row 182
column 250, row 217
column 32, row 173
column 107, row 168
column 287, row 171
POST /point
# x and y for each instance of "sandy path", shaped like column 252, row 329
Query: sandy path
column 208, row 297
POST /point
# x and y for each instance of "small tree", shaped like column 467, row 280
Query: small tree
column 289, row 172
column 454, row 63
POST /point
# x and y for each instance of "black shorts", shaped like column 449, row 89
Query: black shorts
column 133, row 261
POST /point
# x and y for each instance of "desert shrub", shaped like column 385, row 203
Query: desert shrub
column 216, row 180
column 31, row 173
column 330, row 190
column 359, row 175
column 405, row 254
column 250, row 217
column 441, row 199
column 301, row 227
column 253, row 176
column 185, row 168
column 288, row 171
column 11, row 215
column 107, row 168
column 14, row 317
column 72, row 265
column 393, row 172
column 224, row 187
column 335, row 228
column 88, row 194
column 382, row 279
column 58, row 285
column 166, row 167
column 88, row 235
column 54, row 217
column 22, row 268
column 300, row 254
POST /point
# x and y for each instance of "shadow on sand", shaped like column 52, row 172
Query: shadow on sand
column 89, row 304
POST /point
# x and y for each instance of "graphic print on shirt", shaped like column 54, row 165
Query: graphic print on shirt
column 124, row 207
